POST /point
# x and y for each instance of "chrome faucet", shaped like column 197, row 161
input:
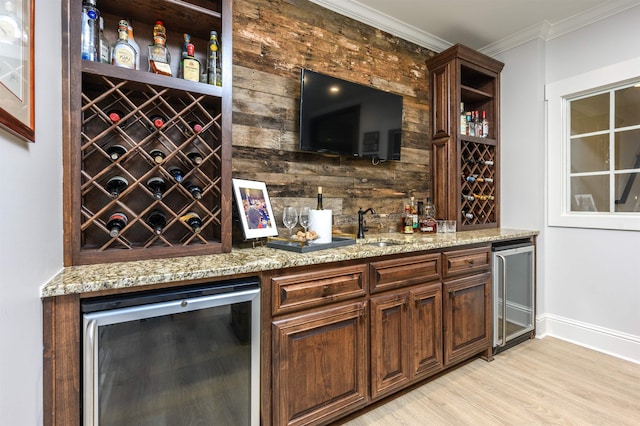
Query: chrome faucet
column 361, row 227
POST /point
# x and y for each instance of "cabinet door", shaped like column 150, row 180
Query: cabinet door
column 319, row 365
column 389, row 343
column 466, row 316
column 426, row 329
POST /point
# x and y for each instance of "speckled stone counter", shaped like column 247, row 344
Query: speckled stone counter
column 91, row 278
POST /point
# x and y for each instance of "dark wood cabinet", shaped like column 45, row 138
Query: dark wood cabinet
column 92, row 91
column 319, row 364
column 465, row 167
column 467, row 317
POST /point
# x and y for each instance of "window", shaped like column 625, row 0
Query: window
column 594, row 149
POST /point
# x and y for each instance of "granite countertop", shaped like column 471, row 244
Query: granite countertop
column 91, row 278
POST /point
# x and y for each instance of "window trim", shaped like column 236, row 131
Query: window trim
column 557, row 95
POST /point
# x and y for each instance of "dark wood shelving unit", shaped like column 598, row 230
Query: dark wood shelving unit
column 465, row 169
column 92, row 90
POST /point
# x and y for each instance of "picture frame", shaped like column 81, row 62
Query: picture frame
column 254, row 209
column 17, row 109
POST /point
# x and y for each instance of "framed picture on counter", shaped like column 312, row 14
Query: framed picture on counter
column 254, row 208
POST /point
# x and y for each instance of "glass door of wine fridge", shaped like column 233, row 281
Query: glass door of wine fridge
column 184, row 357
column 513, row 293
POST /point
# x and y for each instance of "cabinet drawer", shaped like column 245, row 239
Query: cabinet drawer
column 388, row 274
column 307, row 290
column 468, row 261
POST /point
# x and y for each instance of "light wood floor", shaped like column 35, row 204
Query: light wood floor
column 539, row 382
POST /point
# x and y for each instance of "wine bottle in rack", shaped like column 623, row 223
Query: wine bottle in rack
column 116, row 185
column 468, row 197
column 157, row 155
column 115, row 115
column 177, row 174
column 158, row 186
column 195, row 157
column 476, row 178
column 193, row 127
column 157, row 220
column 467, row 215
column 158, row 121
column 116, row 223
column 194, row 190
column 116, row 151
column 193, row 220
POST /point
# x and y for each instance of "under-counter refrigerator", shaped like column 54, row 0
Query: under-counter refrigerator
column 513, row 290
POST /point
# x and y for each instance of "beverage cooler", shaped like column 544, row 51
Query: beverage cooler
column 189, row 355
column 513, row 291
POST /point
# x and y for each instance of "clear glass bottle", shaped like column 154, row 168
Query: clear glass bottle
column 134, row 44
column 428, row 222
column 213, row 59
column 90, row 31
column 123, row 54
column 190, row 65
column 159, row 56
column 105, row 47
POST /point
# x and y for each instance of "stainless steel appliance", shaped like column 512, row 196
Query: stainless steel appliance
column 184, row 356
column 513, row 293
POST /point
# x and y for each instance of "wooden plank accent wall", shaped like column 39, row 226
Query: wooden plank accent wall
column 272, row 41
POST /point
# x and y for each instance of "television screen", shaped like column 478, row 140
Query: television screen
column 341, row 117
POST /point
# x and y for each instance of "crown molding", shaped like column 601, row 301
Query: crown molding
column 543, row 30
column 384, row 22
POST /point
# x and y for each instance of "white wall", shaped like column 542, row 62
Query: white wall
column 30, row 230
column 588, row 280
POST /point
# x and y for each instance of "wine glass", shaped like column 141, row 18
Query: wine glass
column 289, row 218
column 304, row 219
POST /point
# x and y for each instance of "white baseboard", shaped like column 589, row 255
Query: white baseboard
column 612, row 342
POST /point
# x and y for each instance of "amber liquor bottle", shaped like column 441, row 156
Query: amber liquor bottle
column 190, row 65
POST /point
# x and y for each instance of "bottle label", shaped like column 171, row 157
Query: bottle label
column 191, row 70
column 124, row 58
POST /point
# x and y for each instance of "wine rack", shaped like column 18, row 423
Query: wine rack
column 465, row 167
column 139, row 112
column 477, row 183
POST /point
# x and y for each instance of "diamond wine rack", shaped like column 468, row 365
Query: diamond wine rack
column 478, row 183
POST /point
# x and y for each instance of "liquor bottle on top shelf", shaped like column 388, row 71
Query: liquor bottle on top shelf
column 319, row 205
column 116, row 151
column 104, row 49
column 123, row 54
column 157, row 220
column 485, row 125
column 183, row 54
column 177, row 174
column 478, row 123
column 213, row 59
column 90, row 31
column 195, row 157
column 190, row 65
column 159, row 56
column 116, row 185
column 134, row 44
column 158, row 186
column 193, row 220
column 194, row 190
column 463, row 120
column 116, row 223
column 157, row 155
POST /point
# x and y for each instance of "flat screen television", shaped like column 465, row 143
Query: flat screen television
column 345, row 118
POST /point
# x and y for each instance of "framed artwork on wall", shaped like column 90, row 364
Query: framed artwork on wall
column 17, row 111
column 254, row 209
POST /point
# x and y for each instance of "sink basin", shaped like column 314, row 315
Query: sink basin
column 383, row 244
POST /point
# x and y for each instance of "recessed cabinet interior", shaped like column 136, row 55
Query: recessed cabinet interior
column 465, row 137
column 147, row 156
